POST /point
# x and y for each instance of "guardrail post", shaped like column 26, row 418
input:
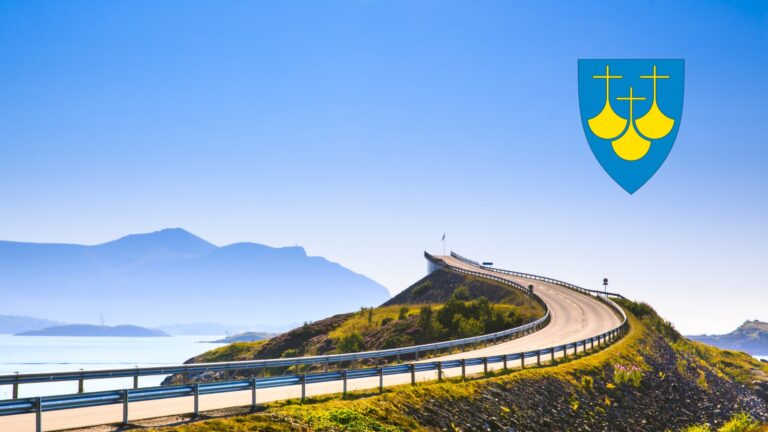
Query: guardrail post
column 538, row 358
column 552, row 355
column 16, row 387
column 81, row 383
column 344, row 385
column 522, row 360
column 196, row 391
column 38, row 414
column 381, row 379
column 463, row 369
column 485, row 365
column 303, row 381
column 253, row 394
column 505, row 361
column 439, row 371
column 417, row 355
column 125, row 407
column 565, row 351
column 575, row 348
column 413, row 374
column 592, row 343
column 136, row 379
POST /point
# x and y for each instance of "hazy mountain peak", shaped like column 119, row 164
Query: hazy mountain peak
column 172, row 275
column 174, row 240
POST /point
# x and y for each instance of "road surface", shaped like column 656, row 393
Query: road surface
column 574, row 317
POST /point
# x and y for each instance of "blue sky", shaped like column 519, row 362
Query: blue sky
column 363, row 130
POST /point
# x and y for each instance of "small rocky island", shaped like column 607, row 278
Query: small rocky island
column 750, row 337
column 94, row 330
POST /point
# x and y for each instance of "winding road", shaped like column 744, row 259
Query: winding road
column 574, row 316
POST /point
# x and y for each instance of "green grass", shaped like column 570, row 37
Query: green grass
column 741, row 422
column 232, row 352
column 360, row 324
column 593, row 373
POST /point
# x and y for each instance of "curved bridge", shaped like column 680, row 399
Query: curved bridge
column 577, row 320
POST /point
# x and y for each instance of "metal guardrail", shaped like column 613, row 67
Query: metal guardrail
column 81, row 376
column 535, row 277
column 38, row 405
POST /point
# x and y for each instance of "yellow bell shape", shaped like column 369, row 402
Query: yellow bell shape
column 607, row 124
column 631, row 146
column 654, row 124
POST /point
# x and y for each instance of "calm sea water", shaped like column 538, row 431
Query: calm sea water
column 27, row 354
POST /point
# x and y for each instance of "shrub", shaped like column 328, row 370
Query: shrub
column 461, row 293
column 386, row 321
column 468, row 327
column 403, row 313
column 422, row 288
column 352, row 342
column 741, row 422
column 397, row 342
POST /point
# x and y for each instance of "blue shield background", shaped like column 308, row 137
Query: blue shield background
column 631, row 175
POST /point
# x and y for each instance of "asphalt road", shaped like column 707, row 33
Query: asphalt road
column 574, row 316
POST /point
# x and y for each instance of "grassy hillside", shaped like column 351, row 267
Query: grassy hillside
column 651, row 380
column 454, row 306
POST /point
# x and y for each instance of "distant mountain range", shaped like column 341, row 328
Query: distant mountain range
column 751, row 337
column 10, row 324
column 246, row 337
column 172, row 276
column 93, row 330
column 225, row 329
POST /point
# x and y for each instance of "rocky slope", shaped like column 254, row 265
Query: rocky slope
column 651, row 380
column 395, row 324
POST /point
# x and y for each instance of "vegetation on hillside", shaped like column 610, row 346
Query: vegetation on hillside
column 653, row 379
column 461, row 313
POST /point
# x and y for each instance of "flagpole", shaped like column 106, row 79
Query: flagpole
column 443, row 244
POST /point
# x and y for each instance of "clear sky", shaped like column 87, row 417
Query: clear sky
column 363, row 130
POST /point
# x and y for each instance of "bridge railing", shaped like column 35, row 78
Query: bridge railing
column 16, row 380
column 536, row 277
column 38, row 405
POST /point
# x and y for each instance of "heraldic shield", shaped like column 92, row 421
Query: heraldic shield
column 631, row 112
